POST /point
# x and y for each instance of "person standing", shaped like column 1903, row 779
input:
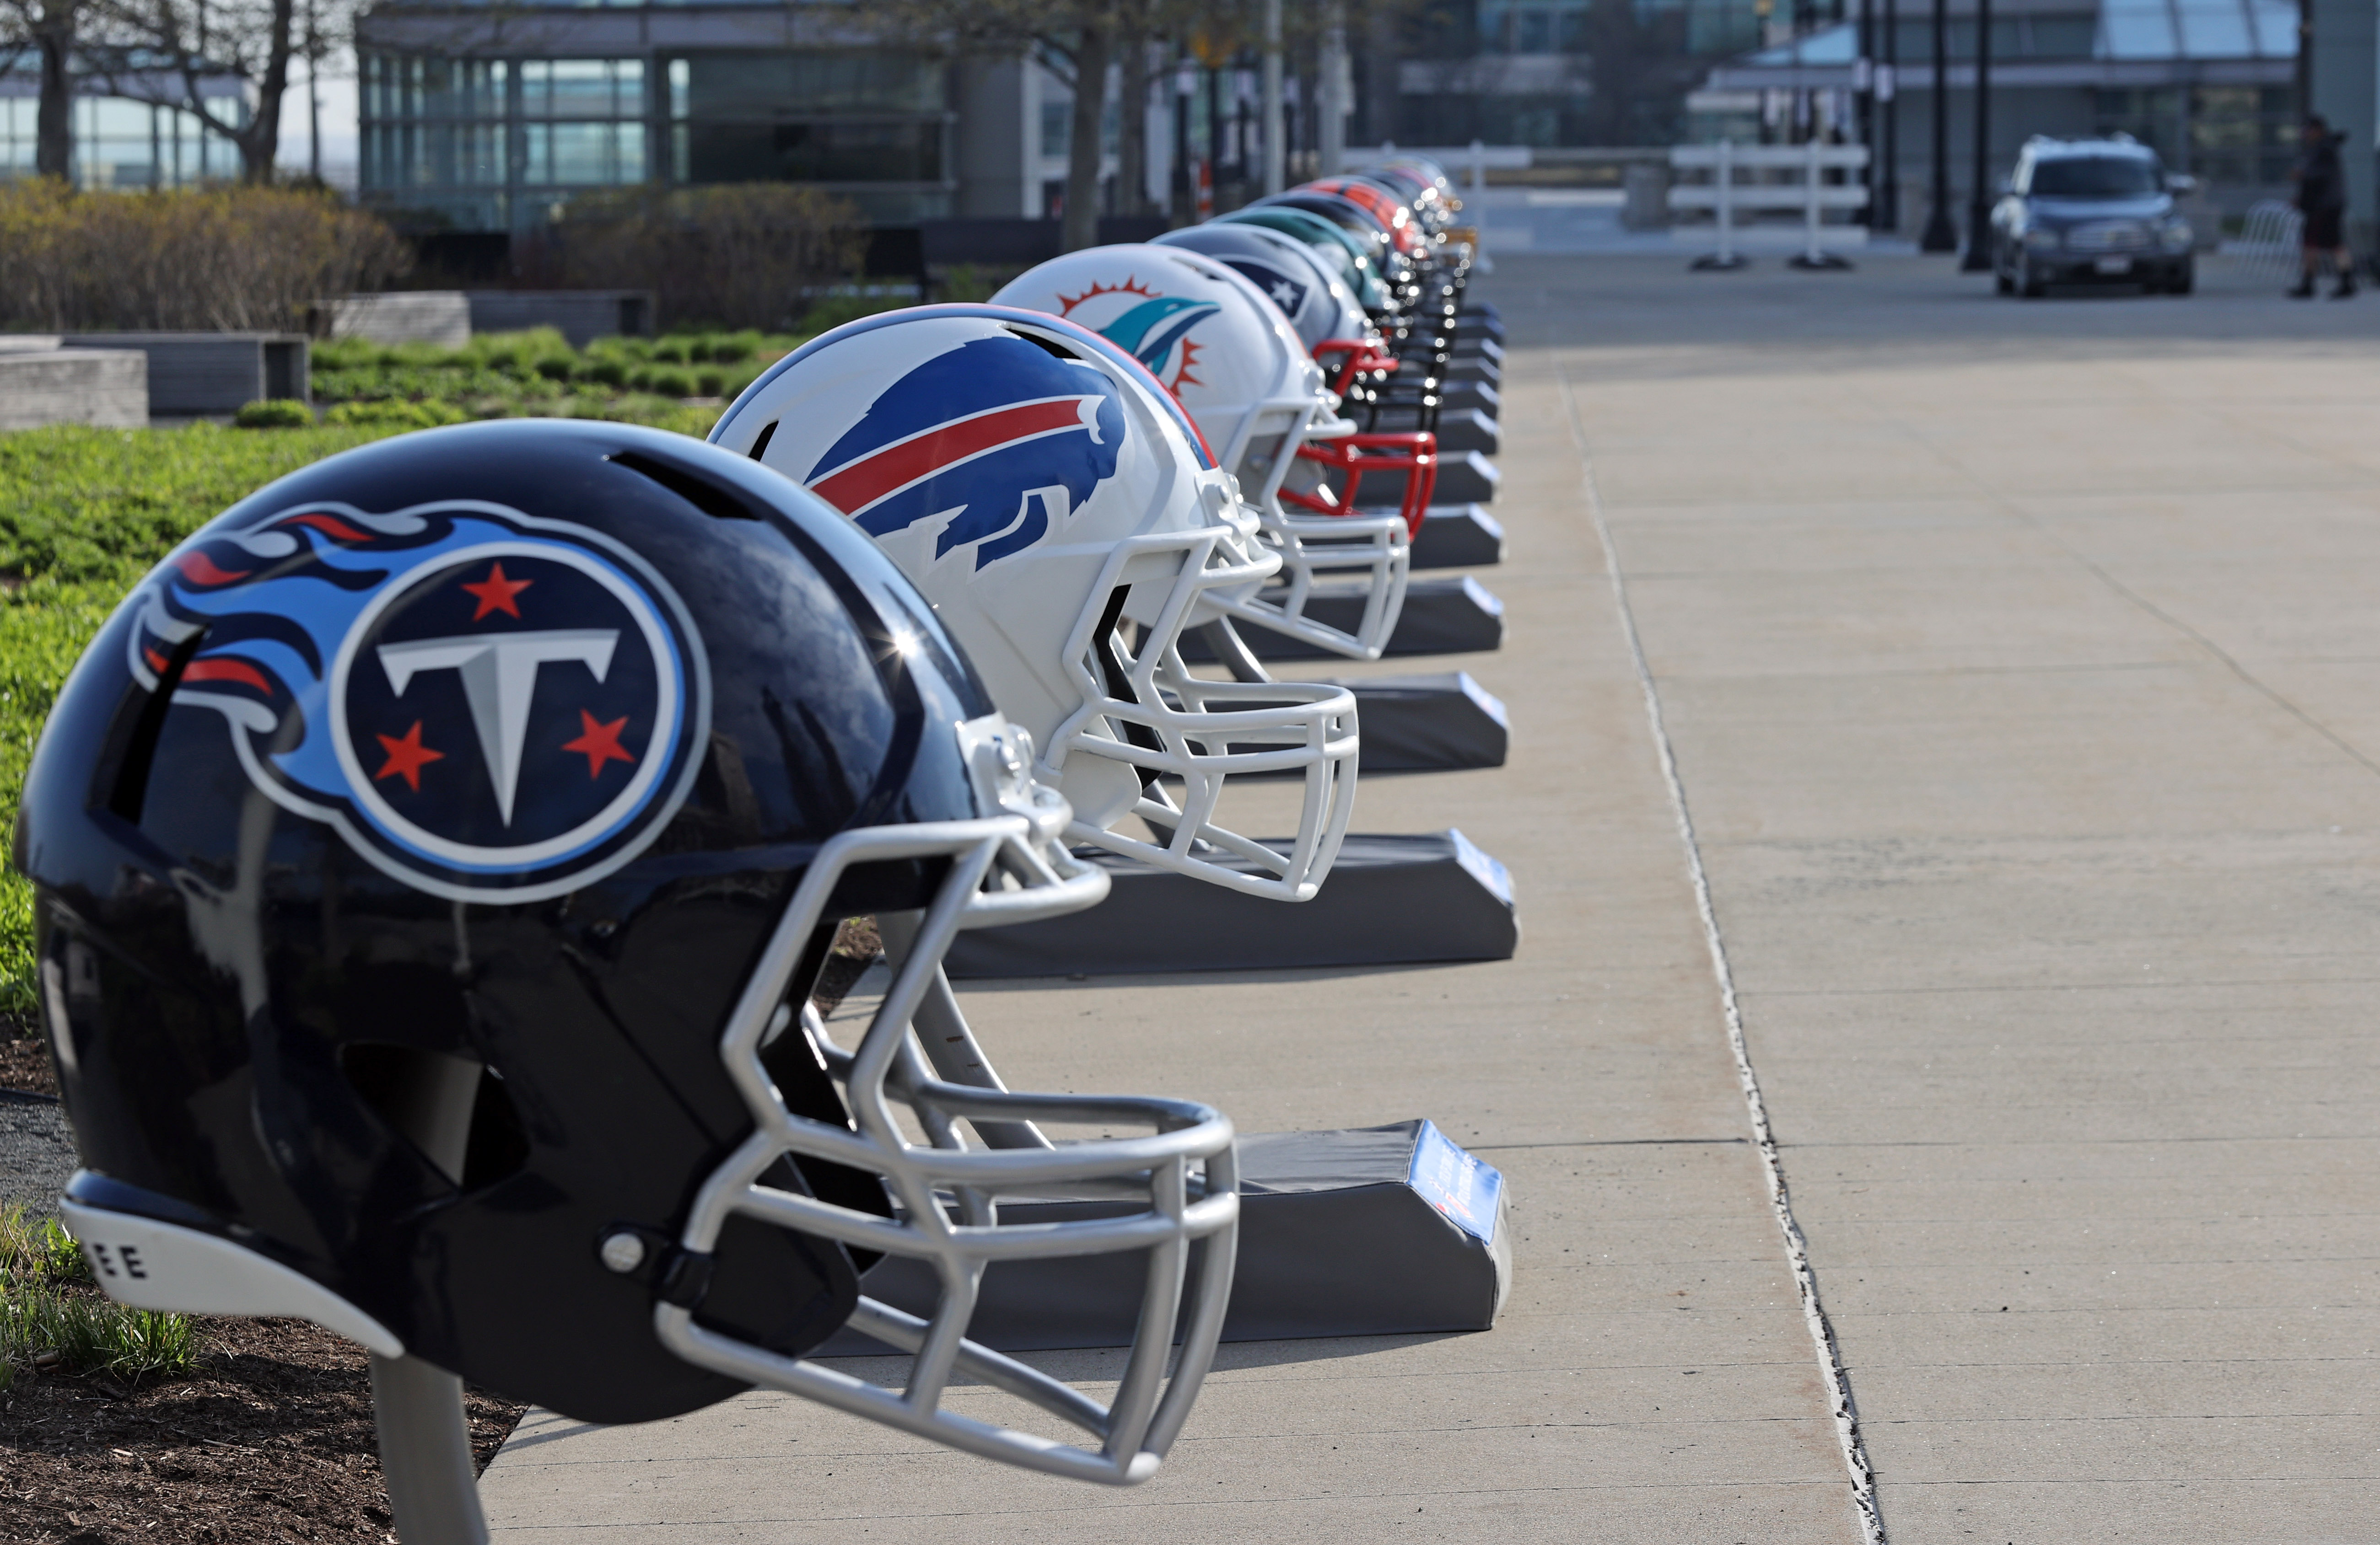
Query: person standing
column 2322, row 199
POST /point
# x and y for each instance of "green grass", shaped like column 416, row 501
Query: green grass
column 507, row 373
column 85, row 512
column 52, row 1319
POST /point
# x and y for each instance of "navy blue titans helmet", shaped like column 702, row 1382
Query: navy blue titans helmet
column 434, row 858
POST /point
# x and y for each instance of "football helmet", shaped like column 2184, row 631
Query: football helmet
column 433, row 857
column 1044, row 491
column 1334, row 246
column 1227, row 354
column 1291, row 275
column 1389, row 208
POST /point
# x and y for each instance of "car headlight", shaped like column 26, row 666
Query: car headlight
column 2041, row 238
column 2174, row 232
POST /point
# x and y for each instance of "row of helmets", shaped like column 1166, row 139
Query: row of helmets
column 435, row 854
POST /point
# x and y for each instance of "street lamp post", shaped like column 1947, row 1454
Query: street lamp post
column 1940, row 234
column 1888, row 96
column 1979, row 204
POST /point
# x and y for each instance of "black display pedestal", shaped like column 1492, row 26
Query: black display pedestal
column 1388, row 902
column 1373, row 1231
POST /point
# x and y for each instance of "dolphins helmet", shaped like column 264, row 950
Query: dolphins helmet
column 1068, row 526
column 1227, row 354
column 432, row 861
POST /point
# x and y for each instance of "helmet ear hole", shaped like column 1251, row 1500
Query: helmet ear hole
column 452, row 1110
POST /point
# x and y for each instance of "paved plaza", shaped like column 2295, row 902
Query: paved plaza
column 1963, row 716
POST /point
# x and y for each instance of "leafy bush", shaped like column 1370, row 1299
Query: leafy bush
column 217, row 258
column 274, row 413
column 735, row 255
column 831, row 311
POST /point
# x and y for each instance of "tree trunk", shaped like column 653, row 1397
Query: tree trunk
column 1131, row 128
column 1082, row 227
column 54, row 119
column 260, row 142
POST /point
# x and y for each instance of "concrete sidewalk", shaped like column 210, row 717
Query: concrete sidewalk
column 2017, row 667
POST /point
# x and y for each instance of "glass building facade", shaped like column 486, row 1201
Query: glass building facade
column 493, row 141
column 119, row 142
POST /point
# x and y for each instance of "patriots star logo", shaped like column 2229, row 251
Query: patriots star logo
column 487, row 705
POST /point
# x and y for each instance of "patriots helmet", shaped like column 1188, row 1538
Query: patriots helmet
column 433, row 857
column 1227, row 354
column 1334, row 248
column 1292, row 276
column 1067, row 524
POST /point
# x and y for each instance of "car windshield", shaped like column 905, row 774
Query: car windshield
column 2096, row 176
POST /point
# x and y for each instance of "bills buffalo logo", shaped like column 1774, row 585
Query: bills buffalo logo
column 991, row 443
column 1154, row 329
column 485, row 705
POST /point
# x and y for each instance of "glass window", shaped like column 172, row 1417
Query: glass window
column 2096, row 176
column 2139, row 29
column 813, row 152
column 2215, row 30
column 785, row 85
column 1057, row 127
column 582, row 87
column 2064, row 37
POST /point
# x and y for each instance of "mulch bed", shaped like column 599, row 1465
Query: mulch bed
column 25, row 1063
column 272, row 1440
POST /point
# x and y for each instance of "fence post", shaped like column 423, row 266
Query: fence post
column 1725, row 199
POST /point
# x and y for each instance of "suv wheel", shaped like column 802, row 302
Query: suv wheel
column 2184, row 278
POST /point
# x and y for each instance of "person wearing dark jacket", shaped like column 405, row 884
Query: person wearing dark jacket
column 2322, row 199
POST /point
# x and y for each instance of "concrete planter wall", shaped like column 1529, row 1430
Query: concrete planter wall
column 581, row 315
column 439, row 317
column 49, row 385
column 195, row 373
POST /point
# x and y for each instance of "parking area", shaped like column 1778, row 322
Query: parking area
column 1975, row 704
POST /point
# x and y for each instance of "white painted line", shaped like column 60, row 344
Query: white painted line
column 1822, row 1335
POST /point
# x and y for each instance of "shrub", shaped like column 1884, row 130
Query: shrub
column 734, row 255
column 831, row 311
column 675, row 350
column 557, row 367
column 607, row 372
column 729, row 348
column 669, row 381
column 209, row 260
column 394, row 413
column 709, row 383
column 274, row 413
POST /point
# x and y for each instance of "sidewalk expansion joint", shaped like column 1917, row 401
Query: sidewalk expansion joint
column 1797, row 1253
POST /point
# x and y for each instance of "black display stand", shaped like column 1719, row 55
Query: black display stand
column 1388, row 902
column 1440, row 617
column 1464, row 477
column 1442, row 722
column 1458, row 536
column 1373, row 1231
column 1469, row 430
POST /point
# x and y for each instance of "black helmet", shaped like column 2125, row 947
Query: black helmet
column 434, row 855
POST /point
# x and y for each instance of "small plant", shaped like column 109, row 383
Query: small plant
column 668, row 382
column 607, row 372
column 557, row 367
column 274, row 413
column 674, row 350
column 50, row 1318
column 709, row 383
column 731, row 348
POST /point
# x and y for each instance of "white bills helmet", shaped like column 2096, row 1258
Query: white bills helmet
column 1219, row 346
column 1044, row 492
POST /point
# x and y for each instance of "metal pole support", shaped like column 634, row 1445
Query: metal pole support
column 425, row 1453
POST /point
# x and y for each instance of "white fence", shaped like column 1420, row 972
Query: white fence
column 1802, row 186
column 2268, row 240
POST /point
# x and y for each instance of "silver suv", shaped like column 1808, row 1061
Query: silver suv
column 2091, row 212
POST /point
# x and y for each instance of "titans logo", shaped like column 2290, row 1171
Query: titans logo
column 992, row 441
column 486, row 706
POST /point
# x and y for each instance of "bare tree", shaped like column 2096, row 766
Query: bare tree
column 47, row 29
column 1075, row 39
column 165, row 51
